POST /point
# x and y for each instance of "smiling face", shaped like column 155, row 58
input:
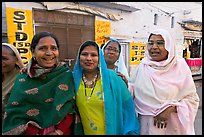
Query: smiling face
column 89, row 58
column 156, row 48
column 111, row 53
column 46, row 52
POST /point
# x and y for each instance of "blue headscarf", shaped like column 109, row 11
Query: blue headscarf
column 114, row 97
column 78, row 70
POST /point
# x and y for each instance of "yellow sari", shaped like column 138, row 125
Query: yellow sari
column 91, row 108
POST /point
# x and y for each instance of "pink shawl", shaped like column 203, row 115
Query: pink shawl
column 162, row 84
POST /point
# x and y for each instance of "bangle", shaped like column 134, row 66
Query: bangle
column 58, row 132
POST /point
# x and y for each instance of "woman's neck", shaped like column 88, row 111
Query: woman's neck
column 111, row 66
column 5, row 75
column 90, row 75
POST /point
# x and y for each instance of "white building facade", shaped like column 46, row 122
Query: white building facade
column 130, row 22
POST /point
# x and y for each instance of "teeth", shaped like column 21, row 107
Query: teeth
column 155, row 53
column 49, row 59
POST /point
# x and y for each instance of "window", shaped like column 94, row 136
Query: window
column 155, row 19
column 172, row 22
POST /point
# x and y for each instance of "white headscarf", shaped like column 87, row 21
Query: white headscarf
column 8, row 82
column 19, row 61
column 120, row 62
column 159, row 85
column 169, row 46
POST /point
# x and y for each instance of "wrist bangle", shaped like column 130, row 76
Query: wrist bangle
column 58, row 132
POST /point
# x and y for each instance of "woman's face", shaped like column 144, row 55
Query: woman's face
column 156, row 48
column 89, row 58
column 8, row 60
column 111, row 52
column 46, row 52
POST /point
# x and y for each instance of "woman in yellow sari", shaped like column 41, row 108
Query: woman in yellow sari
column 104, row 102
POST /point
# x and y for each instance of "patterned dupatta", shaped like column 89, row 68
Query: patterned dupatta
column 40, row 96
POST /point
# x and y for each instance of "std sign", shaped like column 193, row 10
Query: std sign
column 20, row 31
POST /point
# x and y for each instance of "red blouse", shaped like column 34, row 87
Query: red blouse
column 64, row 126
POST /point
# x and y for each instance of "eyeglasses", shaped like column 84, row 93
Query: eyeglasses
column 158, row 43
column 112, row 49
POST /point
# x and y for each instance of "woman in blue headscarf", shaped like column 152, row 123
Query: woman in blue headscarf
column 104, row 102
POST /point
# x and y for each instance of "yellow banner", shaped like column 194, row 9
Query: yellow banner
column 102, row 28
column 20, row 31
column 137, row 51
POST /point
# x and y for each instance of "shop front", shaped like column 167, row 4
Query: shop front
column 193, row 50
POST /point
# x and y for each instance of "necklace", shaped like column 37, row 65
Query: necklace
column 89, row 83
column 88, row 97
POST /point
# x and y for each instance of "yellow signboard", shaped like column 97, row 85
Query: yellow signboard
column 102, row 28
column 137, row 51
column 20, row 31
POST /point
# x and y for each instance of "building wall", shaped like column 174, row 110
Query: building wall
column 135, row 26
column 138, row 24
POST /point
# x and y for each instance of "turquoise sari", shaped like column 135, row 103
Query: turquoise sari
column 120, row 115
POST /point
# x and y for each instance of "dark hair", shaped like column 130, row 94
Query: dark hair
column 88, row 43
column 102, row 45
column 112, row 40
column 40, row 35
column 150, row 36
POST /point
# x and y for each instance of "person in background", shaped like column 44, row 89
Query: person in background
column 105, row 106
column 42, row 101
column 166, row 99
column 11, row 65
column 114, row 59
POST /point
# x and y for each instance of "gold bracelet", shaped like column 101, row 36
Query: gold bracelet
column 59, row 132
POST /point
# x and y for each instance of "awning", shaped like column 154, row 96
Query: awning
column 80, row 7
column 191, row 25
column 111, row 5
column 192, row 34
column 192, row 22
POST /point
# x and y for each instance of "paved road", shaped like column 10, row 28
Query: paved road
column 198, row 120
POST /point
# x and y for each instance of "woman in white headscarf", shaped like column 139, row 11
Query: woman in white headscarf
column 112, row 51
column 115, row 63
column 11, row 65
column 166, row 98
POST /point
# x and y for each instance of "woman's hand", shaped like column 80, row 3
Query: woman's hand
column 56, row 132
column 52, row 133
column 123, row 77
column 161, row 120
